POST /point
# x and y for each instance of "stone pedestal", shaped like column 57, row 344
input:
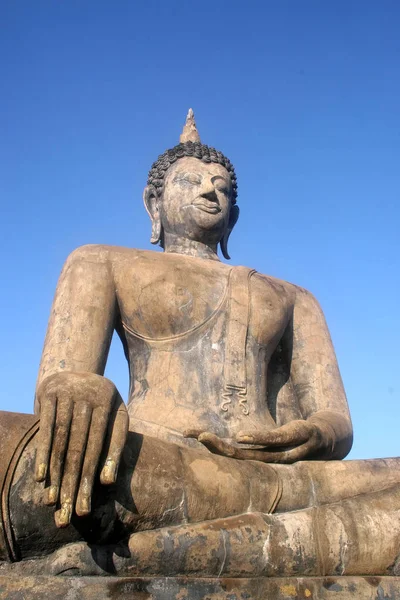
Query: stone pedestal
column 184, row 588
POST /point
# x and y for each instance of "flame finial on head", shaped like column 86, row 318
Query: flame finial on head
column 189, row 133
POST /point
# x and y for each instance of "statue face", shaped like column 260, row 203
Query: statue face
column 197, row 200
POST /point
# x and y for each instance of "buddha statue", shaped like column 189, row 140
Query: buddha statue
column 227, row 458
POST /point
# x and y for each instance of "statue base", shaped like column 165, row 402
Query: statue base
column 191, row 588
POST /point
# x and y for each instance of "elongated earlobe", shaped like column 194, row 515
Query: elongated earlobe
column 233, row 217
column 150, row 200
column 155, row 232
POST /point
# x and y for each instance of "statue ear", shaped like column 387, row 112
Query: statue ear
column 151, row 200
column 233, row 217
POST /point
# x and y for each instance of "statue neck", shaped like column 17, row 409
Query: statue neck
column 180, row 245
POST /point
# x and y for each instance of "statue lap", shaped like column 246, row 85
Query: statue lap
column 182, row 511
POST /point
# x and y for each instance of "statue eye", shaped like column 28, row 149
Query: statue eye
column 190, row 178
column 193, row 179
column 221, row 186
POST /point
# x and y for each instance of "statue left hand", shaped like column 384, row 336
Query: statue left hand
column 297, row 440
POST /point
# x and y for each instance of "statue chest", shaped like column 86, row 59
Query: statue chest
column 174, row 295
column 160, row 303
column 199, row 341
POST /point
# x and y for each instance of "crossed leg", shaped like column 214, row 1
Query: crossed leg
column 203, row 514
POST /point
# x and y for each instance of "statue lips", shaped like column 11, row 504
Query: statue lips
column 208, row 206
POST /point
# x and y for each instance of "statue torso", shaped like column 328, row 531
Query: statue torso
column 199, row 335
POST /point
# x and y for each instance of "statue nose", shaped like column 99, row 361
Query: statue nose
column 212, row 196
column 209, row 192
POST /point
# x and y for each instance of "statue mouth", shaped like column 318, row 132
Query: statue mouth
column 208, row 206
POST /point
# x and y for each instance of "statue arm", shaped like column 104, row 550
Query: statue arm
column 316, row 379
column 83, row 420
column 82, row 316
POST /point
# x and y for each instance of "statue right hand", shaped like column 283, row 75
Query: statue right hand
column 83, row 427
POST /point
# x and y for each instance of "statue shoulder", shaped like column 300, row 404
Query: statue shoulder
column 102, row 254
column 279, row 286
column 306, row 305
column 294, row 294
column 306, row 299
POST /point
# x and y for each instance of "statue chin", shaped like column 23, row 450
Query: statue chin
column 227, row 460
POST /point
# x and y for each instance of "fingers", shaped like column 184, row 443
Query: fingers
column 116, row 442
column 291, row 434
column 216, row 444
column 192, row 433
column 92, row 456
column 294, row 454
column 60, row 440
column 45, row 436
column 219, row 446
column 287, row 456
column 75, row 411
column 224, row 448
column 72, row 468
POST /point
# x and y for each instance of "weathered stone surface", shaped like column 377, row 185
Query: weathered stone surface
column 170, row 588
column 220, row 357
column 224, row 463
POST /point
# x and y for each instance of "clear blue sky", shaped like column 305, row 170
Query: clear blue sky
column 303, row 96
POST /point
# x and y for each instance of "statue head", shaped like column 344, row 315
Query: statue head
column 191, row 192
